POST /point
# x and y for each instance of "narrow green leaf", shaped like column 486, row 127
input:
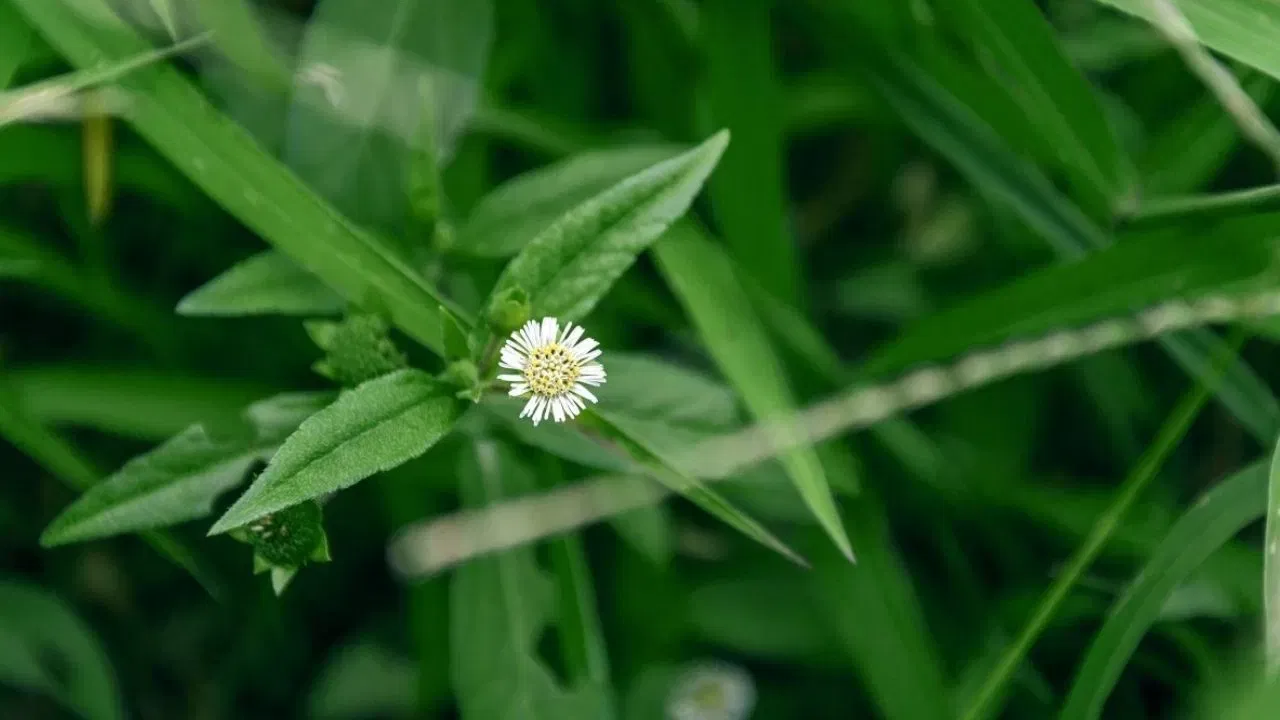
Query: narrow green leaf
column 181, row 479
column 1240, row 29
column 223, row 160
column 572, row 263
column 375, row 426
column 704, row 281
column 1136, row 273
column 265, row 284
column 16, row 42
column 1195, row 145
column 45, row 646
column 1205, row 209
column 1016, row 43
column 1271, row 570
column 1216, row 517
column 239, row 34
column 743, row 94
column 133, row 402
column 951, row 126
column 650, row 442
column 362, row 68
column 989, row 698
column 499, row 607
column 515, row 212
column 164, row 10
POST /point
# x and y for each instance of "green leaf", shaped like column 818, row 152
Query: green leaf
column 45, row 646
column 572, row 263
column 703, row 278
column 499, row 607
column 1271, row 570
column 133, row 402
column 1195, row 145
column 238, row 33
column 651, row 443
column 951, row 127
column 645, row 387
column 1019, row 47
column 744, row 95
column 515, row 212
column 16, row 42
column 268, row 283
column 362, row 69
column 1216, row 517
column 181, row 479
column 1139, row 272
column 375, row 426
column 225, row 162
column 1240, row 29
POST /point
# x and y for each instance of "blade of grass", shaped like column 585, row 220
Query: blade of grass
column 748, row 195
column 223, row 160
column 945, row 122
column 721, row 311
column 1271, row 570
column 986, row 702
column 1219, row 515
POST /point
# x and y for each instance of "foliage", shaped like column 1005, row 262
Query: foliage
column 259, row 257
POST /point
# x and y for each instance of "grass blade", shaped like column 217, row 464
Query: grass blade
column 720, row 309
column 988, row 698
column 223, row 161
column 743, row 94
column 1219, row 515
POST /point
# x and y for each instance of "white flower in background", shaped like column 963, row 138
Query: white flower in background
column 555, row 366
column 712, row 691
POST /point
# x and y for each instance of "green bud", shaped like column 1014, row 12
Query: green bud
column 357, row 348
column 508, row 311
column 288, row 538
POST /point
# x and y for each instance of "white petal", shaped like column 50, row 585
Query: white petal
column 583, row 347
column 571, row 338
column 518, row 390
column 530, row 406
column 550, row 326
column 542, row 410
column 588, row 357
column 557, row 409
column 578, row 389
column 511, row 378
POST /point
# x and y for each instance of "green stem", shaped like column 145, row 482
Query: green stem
column 985, row 701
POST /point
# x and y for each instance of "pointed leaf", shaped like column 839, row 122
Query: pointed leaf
column 1240, row 29
column 180, row 480
column 703, row 278
column 226, row 163
column 515, row 212
column 1220, row 514
column 375, row 426
column 571, row 264
column 268, row 283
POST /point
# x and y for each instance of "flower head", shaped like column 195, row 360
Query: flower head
column 712, row 691
column 554, row 366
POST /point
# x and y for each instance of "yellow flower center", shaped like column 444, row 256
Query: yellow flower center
column 551, row 370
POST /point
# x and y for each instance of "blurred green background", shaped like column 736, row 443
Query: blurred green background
column 905, row 182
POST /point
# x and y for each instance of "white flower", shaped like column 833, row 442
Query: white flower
column 555, row 366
